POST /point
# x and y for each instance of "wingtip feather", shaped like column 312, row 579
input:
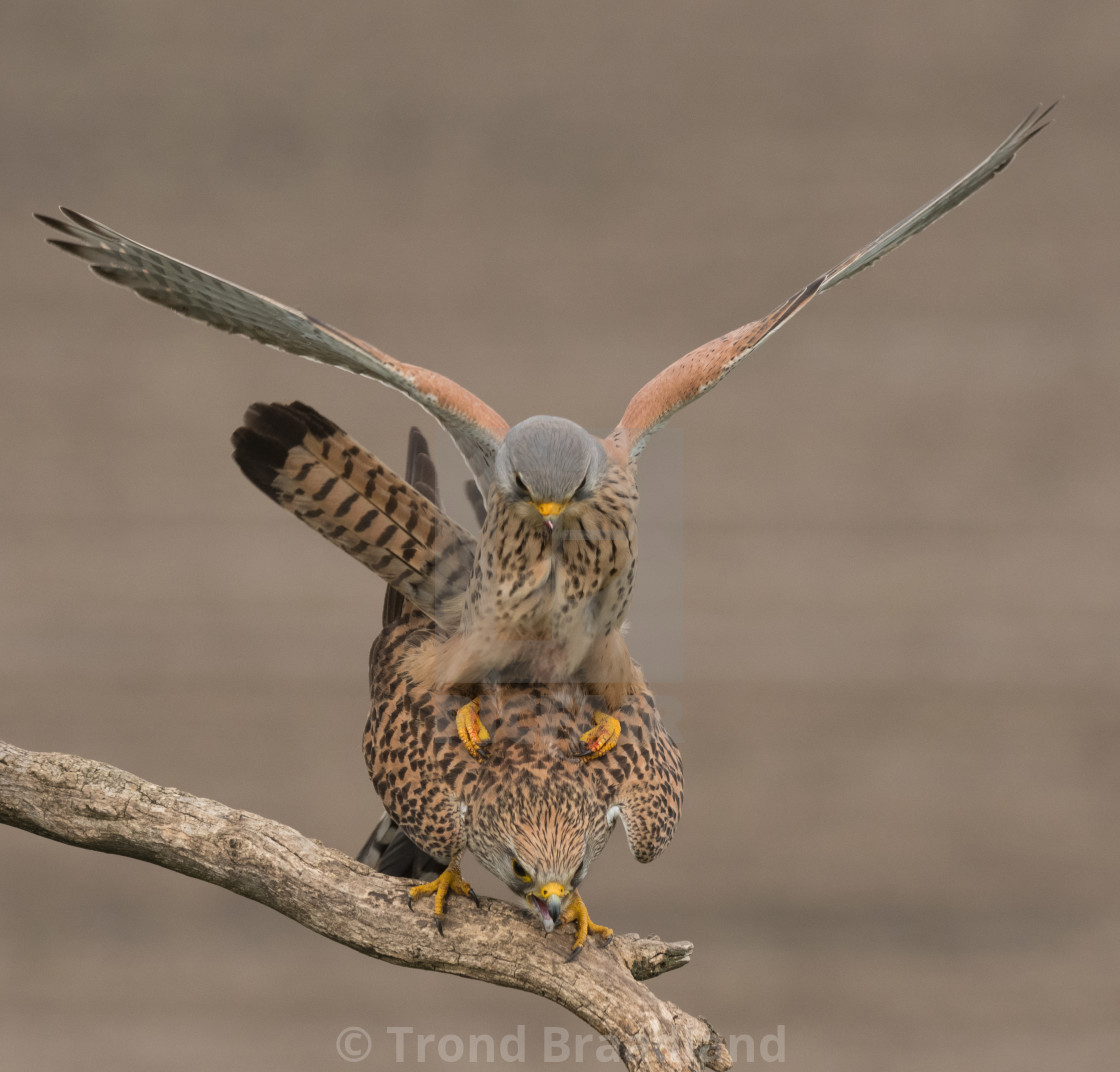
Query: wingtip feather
column 50, row 221
column 82, row 221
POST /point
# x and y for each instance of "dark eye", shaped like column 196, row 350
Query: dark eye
column 520, row 872
column 579, row 490
column 520, row 483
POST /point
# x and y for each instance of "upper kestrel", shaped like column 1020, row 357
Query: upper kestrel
column 552, row 576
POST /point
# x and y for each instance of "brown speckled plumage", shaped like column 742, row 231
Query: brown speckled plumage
column 547, row 604
column 531, row 798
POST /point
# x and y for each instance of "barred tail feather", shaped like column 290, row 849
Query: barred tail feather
column 308, row 465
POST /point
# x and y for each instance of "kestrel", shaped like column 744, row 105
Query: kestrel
column 553, row 570
column 534, row 805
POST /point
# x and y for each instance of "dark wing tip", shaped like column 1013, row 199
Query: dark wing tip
column 1040, row 122
column 1034, row 124
column 1041, row 112
column 75, row 248
column 79, row 219
column 76, row 219
column 51, row 221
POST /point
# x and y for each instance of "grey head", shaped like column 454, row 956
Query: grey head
column 549, row 462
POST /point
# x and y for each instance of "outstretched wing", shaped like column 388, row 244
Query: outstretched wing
column 700, row 370
column 475, row 427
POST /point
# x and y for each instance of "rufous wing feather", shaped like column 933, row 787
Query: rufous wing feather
column 699, row 371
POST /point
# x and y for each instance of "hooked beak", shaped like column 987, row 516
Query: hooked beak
column 550, row 510
column 549, row 903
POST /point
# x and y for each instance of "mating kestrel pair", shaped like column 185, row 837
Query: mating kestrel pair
column 548, row 584
column 536, row 805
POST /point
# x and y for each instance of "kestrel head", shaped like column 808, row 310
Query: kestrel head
column 544, row 838
column 549, row 464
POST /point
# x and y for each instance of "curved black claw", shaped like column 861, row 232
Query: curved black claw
column 474, row 897
column 574, row 955
column 439, row 925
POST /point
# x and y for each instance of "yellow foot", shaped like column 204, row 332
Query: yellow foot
column 577, row 911
column 600, row 740
column 471, row 730
column 449, row 882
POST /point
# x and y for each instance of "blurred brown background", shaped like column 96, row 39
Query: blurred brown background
column 880, row 588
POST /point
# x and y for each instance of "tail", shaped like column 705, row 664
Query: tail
column 311, row 467
column 392, row 852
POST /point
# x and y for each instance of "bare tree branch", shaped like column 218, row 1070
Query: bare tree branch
column 82, row 802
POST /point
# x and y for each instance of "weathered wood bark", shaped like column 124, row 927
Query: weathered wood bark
column 96, row 806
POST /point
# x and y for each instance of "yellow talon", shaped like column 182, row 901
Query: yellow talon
column 577, row 911
column 600, row 740
column 451, row 881
column 471, row 730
